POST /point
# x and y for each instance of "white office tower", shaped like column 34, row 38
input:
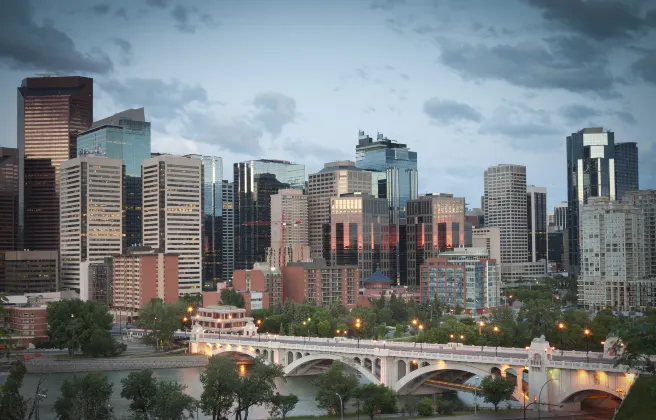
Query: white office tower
column 172, row 214
column 505, row 208
column 289, row 228
column 91, row 217
column 612, row 256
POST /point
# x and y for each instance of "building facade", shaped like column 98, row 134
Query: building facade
column 262, row 278
column 505, row 208
column 317, row 283
column 289, row 228
column 91, row 221
column 645, row 201
column 8, row 199
column 335, row 179
column 536, row 216
column 227, row 230
column 124, row 136
column 626, row 169
column 590, row 173
column 560, row 217
column 435, row 223
column 52, row 112
column 172, row 214
column 29, row 272
column 359, row 233
column 462, row 277
column 490, row 239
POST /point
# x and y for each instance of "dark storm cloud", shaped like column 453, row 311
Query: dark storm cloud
column 645, row 67
column 100, row 9
column 162, row 4
column 126, row 50
column 579, row 115
column 549, row 65
column 181, row 16
column 121, row 13
column 27, row 45
column 274, row 110
column 602, row 20
column 446, row 111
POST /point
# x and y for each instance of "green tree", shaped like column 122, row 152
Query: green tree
column 257, row 387
column 163, row 319
column 425, row 407
column 12, row 405
column 85, row 398
column 376, row 398
column 635, row 344
column 219, row 380
column 72, row 322
column 324, row 329
column 232, row 297
column 400, row 330
column 335, row 381
column 154, row 399
column 497, row 388
column 101, row 343
column 280, row 405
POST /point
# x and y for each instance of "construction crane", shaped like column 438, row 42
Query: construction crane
column 283, row 226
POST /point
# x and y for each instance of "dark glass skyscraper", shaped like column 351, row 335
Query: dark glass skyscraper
column 8, row 199
column 124, row 136
column 52, row 112
column 590, row 173
column 536, row 216
column 626, row 169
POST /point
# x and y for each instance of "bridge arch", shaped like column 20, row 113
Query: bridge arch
column 232, row 349
column 307, row 359
column 437, row 367
column 572, row 396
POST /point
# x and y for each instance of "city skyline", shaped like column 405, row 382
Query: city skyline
column 325, row 78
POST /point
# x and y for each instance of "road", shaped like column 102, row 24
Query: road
column 366, row 344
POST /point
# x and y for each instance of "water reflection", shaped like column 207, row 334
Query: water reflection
column 242, row 370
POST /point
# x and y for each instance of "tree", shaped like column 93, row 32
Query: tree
column 400, row 330
column 256, row 388
column 101, row 343
column 171, row 402
column 85, row 398
column 376, row 398
column 140, row 388
column 232, row 297
column 163, row 319
column 280, row 405
column 219, row 380
column 72, row 322
column 635, row 344
column 324, row 329
column 497, row 388
column 12, row 405
column 425, row 407
column 154, row 399
column 335, row 381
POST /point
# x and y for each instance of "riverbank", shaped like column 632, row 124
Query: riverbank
column 48, row 365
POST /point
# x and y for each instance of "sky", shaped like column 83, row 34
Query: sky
column 465, row 83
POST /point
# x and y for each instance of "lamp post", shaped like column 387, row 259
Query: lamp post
column 259, row 334
column 39, row 397
column 357, row 327
column 540, row 396
column 421, row 343
column 561, row 327
column 587, row 333
column 476, row 395
column 341, row 405
column 496, row 330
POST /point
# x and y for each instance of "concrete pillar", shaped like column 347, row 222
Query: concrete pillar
column 539, row 381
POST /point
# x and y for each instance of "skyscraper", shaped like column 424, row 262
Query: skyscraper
column 212, row 220
column 560, row 216
column 228, row 230
column 52, row 111
column 436, row 222
column 335, row 179
column 125, row 136
column 91, row 222
column 590, row 173
column 255, row 182
column 626, row 169
column 505, row 208
column 289, row 227
column 172, row 214
column 536, row 216
column 398, row 185
column 645, row 201
column 8, row 199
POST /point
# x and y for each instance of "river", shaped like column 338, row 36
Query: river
column 298, row 385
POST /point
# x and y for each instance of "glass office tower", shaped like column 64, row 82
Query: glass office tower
column 397, row 185
column 51, row 112
column 212, row 200
column 626, row 169
column 8, row 200
column 124, row 136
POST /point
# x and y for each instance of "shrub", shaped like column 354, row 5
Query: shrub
column 425, row 407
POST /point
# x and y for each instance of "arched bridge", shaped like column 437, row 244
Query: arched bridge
column 555, row 380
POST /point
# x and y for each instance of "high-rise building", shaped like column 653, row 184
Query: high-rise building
column 626, row 169
column 398, row 185
column 262, row 278
column 435, row 222
column 255, row 182
column 124, row 136
column 29, row 272
column 91, row 221
column 556, row 251
column 536, row 216
column 172, row 214
column 590, row 173
column 228, row 230
column 335, row 179
column 645, row 201
column 8, row 199
column 560, row 217
column 613, row 257
column 505, row 208
column 490, row 239
column 358, row 233
column 212, row 220
column 52, row 111
column 289, row 228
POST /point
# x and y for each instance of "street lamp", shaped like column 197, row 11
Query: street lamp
column 540, row 396
column 39, row 397
column 357, row 326
column 496, row 340
column 476, row 395
column 259, row 336
column 341, row 404
column 421, row 343
column 587, row 333
column 561, row 327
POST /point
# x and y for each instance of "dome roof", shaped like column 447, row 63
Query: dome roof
column 378, row 277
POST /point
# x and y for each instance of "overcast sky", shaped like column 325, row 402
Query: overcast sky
column 465, row 83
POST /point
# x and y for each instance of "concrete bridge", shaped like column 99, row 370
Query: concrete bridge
column 544, row 376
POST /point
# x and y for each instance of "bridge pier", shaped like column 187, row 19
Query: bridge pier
column 540, row 384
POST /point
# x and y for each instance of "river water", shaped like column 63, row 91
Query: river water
column 299, row 385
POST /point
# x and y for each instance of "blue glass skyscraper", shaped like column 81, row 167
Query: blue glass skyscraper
column 124, row 136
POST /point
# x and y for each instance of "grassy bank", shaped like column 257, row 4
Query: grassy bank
column 640, row 404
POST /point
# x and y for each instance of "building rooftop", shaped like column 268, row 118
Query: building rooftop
column 378, row 277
